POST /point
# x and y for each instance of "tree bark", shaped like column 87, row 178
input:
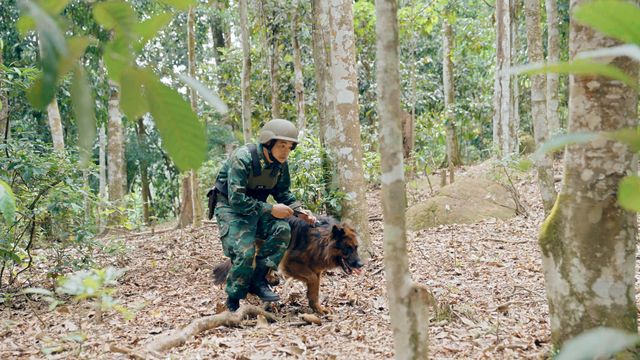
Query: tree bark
column 453, row 152
column 343, row 136
column 144, row 177
column 102, row 161
column 246, row 72
column 273, row 54
column 115, row 154
column 503, row 97
column 297, row 68
column 217, row 30
column 544, row 166
column 55, row 125
column 588, row 241
column 407, row 306
column 553, row 56
column 4, row 108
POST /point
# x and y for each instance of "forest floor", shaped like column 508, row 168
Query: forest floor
column 486, row 278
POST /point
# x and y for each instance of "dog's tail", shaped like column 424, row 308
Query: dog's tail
column 221, row 271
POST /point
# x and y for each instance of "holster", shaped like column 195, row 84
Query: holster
column 213, row 200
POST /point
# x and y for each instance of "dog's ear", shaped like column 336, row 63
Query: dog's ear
column 337, row 231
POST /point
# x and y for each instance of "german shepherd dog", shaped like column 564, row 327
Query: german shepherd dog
column 313, row 249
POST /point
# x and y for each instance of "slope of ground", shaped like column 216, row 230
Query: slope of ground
column 486, row 278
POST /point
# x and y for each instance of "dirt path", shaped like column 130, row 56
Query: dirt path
column 486, row 278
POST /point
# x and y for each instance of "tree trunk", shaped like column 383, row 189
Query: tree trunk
column 144, row 178
column 453, row 152
column 191, row 210
column 297, row 67
column 274, row 66
column 407, row 304
column 246, row 72
column 322, row 61
column 217, row 31
column 588, row 242
column 553, row 56
column 513, row 122
column 115, row 154
column 55, row 125
column 343, row 136
column 4, row 108
column 503, row 96
column 544, row 166
column 102, row 161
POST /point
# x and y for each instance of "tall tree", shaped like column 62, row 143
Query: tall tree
column 246, row 72
column 102, row 173
column 191, row 209
column 453, row 152
column 553, row 56
column 55, row 120
column 217, row 28
column 589, row 242
column 272, row 47
column 343, row 135
column 407, row 302
column 298, row 80
column 115, row 153
column 505, row 127
column 144, row 176
column 322, row 61
column 4, row 103
column 544, row 166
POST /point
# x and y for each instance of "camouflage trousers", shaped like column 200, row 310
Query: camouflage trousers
column 238, row 235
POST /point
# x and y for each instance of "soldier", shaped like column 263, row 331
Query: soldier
column 250, row 174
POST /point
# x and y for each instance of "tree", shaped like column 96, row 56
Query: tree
column 191, row 210
column 297, row 67
column 407, row 301
column 55, row 120
column 322, row 62
column 505, row 117
column 246, row 72
column 453, row 153
column 588, row 241
column 4, row 102
column 544, row 166
column 553, row 56
column 115, row 153
column 343, row 134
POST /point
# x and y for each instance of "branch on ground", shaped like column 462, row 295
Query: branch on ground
column 197, row 326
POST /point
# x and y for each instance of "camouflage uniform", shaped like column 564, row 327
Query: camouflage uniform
column 242, row 218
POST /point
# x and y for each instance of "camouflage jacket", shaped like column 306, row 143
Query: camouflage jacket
column 235, row 172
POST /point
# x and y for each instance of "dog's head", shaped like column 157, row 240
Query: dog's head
column 346, row 247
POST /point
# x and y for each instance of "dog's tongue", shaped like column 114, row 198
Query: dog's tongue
column 357, row 271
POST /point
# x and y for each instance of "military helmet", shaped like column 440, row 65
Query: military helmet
column 278, row 129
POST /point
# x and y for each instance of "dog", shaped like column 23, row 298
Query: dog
column 313, row 249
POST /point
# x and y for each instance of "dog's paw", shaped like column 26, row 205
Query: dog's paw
column 321, row 309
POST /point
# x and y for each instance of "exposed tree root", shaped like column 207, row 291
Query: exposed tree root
column 199, row 325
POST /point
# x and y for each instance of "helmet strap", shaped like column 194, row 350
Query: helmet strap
column 269, row 146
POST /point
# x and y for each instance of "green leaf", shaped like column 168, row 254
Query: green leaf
column 117, row 15
column 53, row 7
column 579, row 67
column 630, row 137
column 53, row 47
column 117, row 56
column 206, row 94
column 629, row 193
column 183, row 135
column 148, row 29
column 132, row 100
column 8, row 254
column 84, row 112
column 77, row 45
column 7, row 202
column 559, row 142
column 25, row 24
column 180, row 4
column 618, row 19
column 598, row 343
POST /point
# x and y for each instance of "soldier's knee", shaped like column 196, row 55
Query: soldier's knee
column 283, row 231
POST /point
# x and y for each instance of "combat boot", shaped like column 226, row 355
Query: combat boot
column 260, row 287
column 232, row 304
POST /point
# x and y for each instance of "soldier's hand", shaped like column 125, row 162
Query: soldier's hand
column 281, row 211
column 307, row 216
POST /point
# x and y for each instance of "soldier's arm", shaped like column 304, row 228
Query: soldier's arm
column 237, row 180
